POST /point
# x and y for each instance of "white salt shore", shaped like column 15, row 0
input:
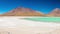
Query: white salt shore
column 17, row 25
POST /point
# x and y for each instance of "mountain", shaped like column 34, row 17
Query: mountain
column 55, row 12
column 21, row 11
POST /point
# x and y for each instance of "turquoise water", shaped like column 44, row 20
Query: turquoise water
column 45, row 19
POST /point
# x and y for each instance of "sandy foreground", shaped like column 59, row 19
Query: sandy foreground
column 17, row 25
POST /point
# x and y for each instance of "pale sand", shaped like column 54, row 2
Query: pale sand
column 16, row 25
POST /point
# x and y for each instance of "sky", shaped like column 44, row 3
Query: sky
column 44, row 6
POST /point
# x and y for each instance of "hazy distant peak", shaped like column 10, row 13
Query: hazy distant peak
column 56, row 9
column 22, row 8
column 55, row 12
column 21, row 11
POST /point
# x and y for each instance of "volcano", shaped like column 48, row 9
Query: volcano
column 21, row 11
column 55, row 12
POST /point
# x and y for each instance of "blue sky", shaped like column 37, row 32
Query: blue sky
column 44, row 6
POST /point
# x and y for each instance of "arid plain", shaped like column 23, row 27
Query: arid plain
column 18, row 25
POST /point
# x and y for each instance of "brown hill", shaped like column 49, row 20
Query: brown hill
column 23, row 12
column 55, row 12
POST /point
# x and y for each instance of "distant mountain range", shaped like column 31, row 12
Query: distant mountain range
column 21, row 11
column 55, row 12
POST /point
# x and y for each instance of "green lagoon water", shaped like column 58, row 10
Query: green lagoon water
column 44, row 19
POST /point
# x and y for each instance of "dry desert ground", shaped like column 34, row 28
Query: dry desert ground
column 17, row 25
